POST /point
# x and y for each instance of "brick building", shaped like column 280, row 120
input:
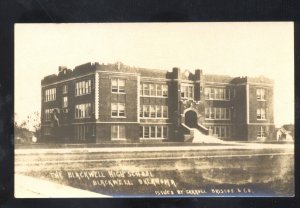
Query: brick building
column 114, row 102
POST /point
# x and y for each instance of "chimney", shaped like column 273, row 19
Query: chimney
column 61, row 68
column 176, row 73
column 198, row 74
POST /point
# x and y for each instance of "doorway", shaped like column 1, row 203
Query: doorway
column 191, row 119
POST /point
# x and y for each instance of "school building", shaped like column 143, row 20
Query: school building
column 100, row 103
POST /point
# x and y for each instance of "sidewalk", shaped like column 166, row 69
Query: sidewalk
column 29, row 187
column 227, row 145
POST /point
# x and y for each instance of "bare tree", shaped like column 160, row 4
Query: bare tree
column 32, row 123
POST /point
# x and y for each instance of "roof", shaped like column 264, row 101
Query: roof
column 218, row 78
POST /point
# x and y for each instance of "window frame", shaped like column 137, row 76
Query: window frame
column 118, row 127
column 221, row 131
column 118, row 110
column 153, row 112
column 151, row 132
column 261, row 132
column 259, row 95
column 153, row 90
column 65, row 89
column 217, row 93
column 65, row 103
column 83, row 110
column 216, row 113
column 83, row 87
column 261, row 114
column 119, row 89
column 50, row 94
column 187, row 91
column 48, row 113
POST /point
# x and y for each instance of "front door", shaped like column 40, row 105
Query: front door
column 191, row 119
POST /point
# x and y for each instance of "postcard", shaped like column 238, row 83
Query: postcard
column 154, row 110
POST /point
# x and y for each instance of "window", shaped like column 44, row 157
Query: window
column 217, row 93
column 154, row 111
column 154, row 90
column 261, row 133
column 146, row 132
column 165, row 90
column 159, row 131
column 118, row 132
column 48, row 114
column 165, row 132
column 220, row 131
column 261, row 114
column 159, row 90
column 227, row 94
column 207, row 113
column 153, row 132
column 65, row 89
column 118, row 85
column 217, row 113
column 50, row 94
column 84, row 132
column 146, row 89
column 187, row 91
column 158, row 111
column 83, row 110
column 83, row 87
column 165, row 111
column 65, row 102
column 146, row 109
column 260, row 94
column 118, row 110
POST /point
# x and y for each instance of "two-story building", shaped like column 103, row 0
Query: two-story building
column 114, row 102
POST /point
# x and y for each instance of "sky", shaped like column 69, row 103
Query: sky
column 235, row 49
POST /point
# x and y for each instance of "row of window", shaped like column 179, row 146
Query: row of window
column 153, row 131
column 213, row 93
column 83, row 110
column 220, row 131
column 84, row 132
column 50, row 94
column 83, row 87
column 225, row 131
column 154, row 111
column 150, row 111
column 187, row 91
column 48, row 114
column 119, row 132
column 217, row 113
column 149, row 131
column 154, row 90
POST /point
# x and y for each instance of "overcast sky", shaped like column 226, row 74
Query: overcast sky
column 236, row 49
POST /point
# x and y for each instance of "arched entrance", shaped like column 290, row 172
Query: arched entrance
column 191, row 119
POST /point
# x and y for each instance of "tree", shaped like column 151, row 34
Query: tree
column 30, row 125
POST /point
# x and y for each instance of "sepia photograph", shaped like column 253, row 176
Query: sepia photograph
column 154, row 110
